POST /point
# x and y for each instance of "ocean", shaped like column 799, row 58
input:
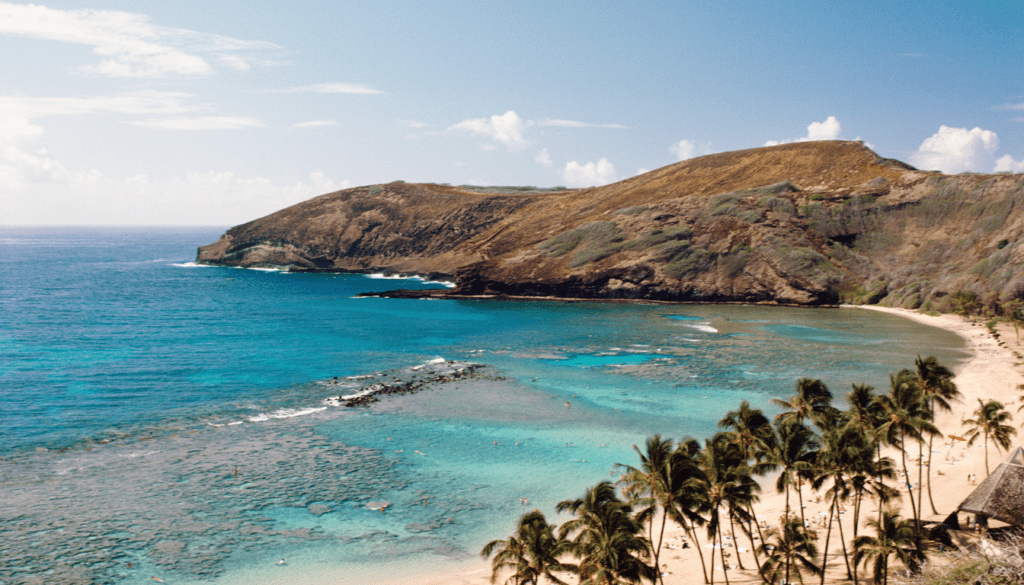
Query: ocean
column 159, row 418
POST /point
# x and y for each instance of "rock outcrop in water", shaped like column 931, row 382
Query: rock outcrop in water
column 811, row 223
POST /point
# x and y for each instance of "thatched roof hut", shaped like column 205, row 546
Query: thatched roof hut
column 1001, row 495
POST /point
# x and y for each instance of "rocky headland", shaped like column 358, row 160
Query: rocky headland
column 812, row 223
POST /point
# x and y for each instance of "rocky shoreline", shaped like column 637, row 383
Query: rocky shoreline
column 365, row 390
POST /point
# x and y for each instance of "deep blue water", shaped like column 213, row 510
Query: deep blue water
column 122, row 366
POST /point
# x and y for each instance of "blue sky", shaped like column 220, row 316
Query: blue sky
column 218, row 112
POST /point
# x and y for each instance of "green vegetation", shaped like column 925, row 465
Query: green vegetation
column 966, row 303
column 739, row 205
column 598, row 240
column 777, row 204
column 1003, row 565
column 747, row 204
column 733, row 263
column 616, row 532
column 592, row 242
column 687, row 262
column 988, row 422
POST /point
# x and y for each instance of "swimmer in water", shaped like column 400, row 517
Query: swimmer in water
column 567, row 405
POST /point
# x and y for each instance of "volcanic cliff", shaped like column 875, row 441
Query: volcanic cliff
column 809, row 223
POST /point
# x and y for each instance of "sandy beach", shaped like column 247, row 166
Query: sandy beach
column 992, row 371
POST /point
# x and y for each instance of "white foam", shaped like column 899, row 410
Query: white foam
column 705, row 327
column 382, row 276
column 366, row 392
column 285, row 413
column 191, row 265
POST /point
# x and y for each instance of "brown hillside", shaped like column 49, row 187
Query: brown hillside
column 805, row 223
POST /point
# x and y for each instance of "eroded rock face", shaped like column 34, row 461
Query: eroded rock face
column 807, row 224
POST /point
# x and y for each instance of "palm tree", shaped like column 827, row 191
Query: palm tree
column 726, row 481
column 867, row 414
column 608, row 541
column 1020, row 387
column 689, row 500
column 988, row 421
column 794, row 449
column 653, row 485
column 752, row 431
column 788, row 552
column 812, row 398
column 531, row 552
column 845, row 452
column 906, row 415
column 869, row 478
column 936, row 381
column 894, row 537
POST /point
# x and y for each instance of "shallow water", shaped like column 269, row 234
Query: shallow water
column 171, row 416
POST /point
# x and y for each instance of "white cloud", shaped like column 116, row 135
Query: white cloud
column 543, row 158
column 146, row 102
column 955, row 150
column 315, row 124
column 1010, row 107
column 353, row 88
column 642, row 170
column 684, row 149
column 24, row 160
column 205, row 123
column 575, row 124
column 506, row 129
column 1006, row 164
column 827, row 130
column 590, row 174
column 129, row 45
column 35, row 188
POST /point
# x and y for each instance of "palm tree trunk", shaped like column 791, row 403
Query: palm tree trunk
column 828, row 535
column 657, row 550
column 987, row 472
column 725, row 564
column 856, row 510
column 750, row 535
column 930, row 500
column 693, row 534
column 846, row 555
column 878, row 449
column 714, row 540
column 800, row 494
column 920, row 477
column 856, row 520
column 906, row 477
column 787, row 562
column 735, row 543
column 787, row 506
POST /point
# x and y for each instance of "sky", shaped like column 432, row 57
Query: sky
column 119, row 112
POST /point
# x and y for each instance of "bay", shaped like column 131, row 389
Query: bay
column 162, row 418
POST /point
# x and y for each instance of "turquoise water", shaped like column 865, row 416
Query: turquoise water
column 163, row 419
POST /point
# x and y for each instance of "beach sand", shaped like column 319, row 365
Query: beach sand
column 991, row 372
